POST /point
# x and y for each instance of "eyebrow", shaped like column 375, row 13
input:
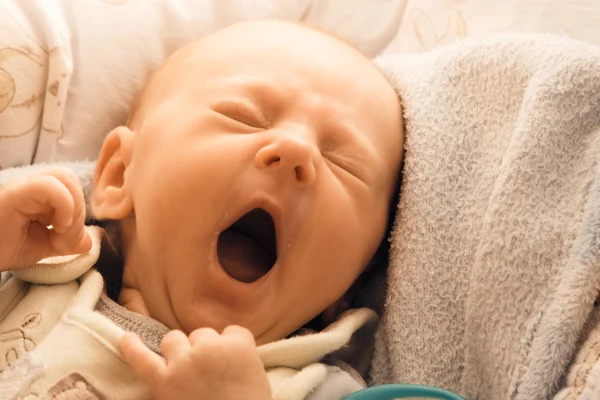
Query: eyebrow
column 261, row 85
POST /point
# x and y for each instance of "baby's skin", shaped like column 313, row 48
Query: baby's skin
column 268, row 116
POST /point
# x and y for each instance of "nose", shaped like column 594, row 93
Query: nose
column 292, row 156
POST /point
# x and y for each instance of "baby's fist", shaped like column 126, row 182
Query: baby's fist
column 205, row 365
column 28, row 206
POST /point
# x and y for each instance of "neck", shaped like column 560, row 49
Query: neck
column 130, row 296
column 132, row 300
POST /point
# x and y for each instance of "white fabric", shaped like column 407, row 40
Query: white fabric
column 24, row 372
column 495, row 256
column 62, row 269
column 427, row 24
column 69, row 68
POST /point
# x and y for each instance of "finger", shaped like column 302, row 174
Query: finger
column 240, row 333
column 174, row 345
column 85, row 243
column 36, row 247
column 44, row 218
column 73, row 238
column 201, row 335
column 43, row 195
column 36, row 202
column 148, row 365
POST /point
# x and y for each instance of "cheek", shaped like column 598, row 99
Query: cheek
column 180, row 177
column 355, row 223
column 180, row 192
column 346, row 231
column 164, row 199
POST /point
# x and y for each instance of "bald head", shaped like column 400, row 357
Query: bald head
column 269, row 115
column 269, row 44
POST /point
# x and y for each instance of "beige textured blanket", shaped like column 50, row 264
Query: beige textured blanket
column 495, row 262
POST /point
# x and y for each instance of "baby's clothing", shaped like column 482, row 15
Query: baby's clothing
column 60, row 333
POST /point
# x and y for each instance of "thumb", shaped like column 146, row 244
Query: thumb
column 148, row 365
column 85, row 243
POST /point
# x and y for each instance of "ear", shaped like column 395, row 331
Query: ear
column 111, row 198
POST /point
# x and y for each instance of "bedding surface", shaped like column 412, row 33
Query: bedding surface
column 495, row 262
column 69, row 69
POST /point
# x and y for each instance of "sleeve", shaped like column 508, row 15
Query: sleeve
column 338, row 384
column 317, row 381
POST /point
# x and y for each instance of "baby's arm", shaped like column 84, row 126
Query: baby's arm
column 203, row 365
column 28, row 205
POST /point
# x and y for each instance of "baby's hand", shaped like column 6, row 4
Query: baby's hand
column 28, row 206
column 204, row 365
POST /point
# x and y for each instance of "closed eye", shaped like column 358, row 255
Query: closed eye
column 242, row 112
column 342, row 163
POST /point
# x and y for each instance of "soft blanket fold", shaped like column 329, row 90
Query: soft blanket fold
column 495, row 262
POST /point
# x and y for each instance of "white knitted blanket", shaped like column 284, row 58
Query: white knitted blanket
column 495, row 262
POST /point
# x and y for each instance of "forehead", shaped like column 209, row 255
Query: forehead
column 286, row 54
column 287, row 65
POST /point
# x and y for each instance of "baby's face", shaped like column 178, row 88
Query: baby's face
column 261, row 180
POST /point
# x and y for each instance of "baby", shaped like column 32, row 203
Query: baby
column 252, row 187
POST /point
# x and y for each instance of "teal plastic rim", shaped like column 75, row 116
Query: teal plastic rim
column 402, row 391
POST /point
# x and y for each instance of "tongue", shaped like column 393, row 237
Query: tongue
column 242, row 257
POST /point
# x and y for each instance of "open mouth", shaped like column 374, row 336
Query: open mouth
column 247, row 250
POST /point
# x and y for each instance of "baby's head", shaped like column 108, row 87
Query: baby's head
column 254, row 180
